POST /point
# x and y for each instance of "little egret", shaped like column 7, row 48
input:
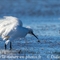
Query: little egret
column 11, row 28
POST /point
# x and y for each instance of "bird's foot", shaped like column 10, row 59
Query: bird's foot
column 19, row 51
column 38, row 41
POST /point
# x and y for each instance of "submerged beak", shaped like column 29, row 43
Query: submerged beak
column 34, row 35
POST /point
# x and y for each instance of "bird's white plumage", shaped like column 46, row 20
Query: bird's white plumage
column 11, row 28
column 7, row 24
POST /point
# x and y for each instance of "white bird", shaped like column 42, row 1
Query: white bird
column 11, row 28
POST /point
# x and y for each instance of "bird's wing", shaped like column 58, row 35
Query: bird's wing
column 11, row 19
column 8, row 24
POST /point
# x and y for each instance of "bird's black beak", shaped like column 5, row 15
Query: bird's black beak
column 34, row 35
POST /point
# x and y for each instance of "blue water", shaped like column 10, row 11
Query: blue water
column 43, row 16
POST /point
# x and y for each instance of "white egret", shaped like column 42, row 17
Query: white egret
column 11, row 28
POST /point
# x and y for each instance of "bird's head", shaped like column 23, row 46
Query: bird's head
column 32, row 33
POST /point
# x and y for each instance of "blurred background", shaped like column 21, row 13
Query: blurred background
column 31, row 8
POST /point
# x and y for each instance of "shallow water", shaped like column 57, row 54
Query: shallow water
column 43, row 16
column 30, row 49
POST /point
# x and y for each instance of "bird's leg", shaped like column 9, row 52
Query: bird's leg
column 6, row 42
column 6, row 38
column 5, row 46
column 10, row 45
